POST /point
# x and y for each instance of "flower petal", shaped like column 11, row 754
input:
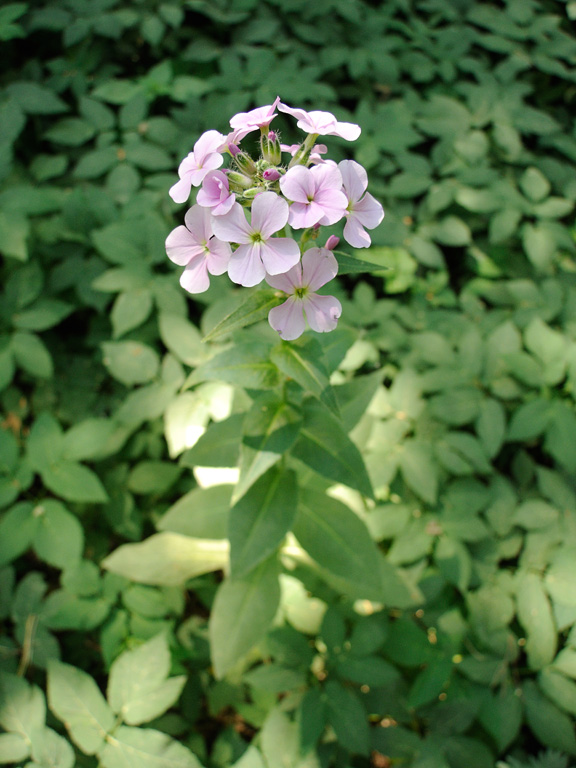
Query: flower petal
column 354, row 179
column 348, row 131
column 355, row 234
column 322, row 312
column 218, row 257
column 319, row 266
column 182, row 247
column 298, row 184
column 195, row 278
column 288, row 319
column 245, row 267
column 288, row 281
column 369, row 211
column 333, row 205
column 180, row 192
column 279, row 254
column 199, row 222
column 209, row 142
column 269, row 213
column 233, row 226
column 304, row 215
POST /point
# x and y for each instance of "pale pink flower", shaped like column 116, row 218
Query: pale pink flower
column 318, row 267
column 194, row 247
column 215, row 193
column 245, row 122
column 332, row 243
column 316, row 194
column 322, row 123
column 205, row 157
column 315, row 154
column 361, row 211
column 258, row 252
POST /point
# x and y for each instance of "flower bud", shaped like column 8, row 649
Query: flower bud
column 332, row 243
column 239, row 180
column 250, row 194
column 270, row 147
column 271, row 174
column 244, row 163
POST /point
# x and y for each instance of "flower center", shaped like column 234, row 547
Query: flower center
column 300, row 293
column 256, row 237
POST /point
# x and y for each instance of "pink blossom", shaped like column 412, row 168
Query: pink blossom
column 205, row 157
column 318, row 266
column 193, row 246
column 215, row 193
column 315, row 154
column 361, row 211
column 258, row 252
column 245, row 122
column 332, row 242
column 322, row 123
column 271, row 174
column 316, row 195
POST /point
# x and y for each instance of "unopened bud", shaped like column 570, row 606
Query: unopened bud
column 245, row 163
column 271, row 174
column 270, row 147
column 251, row 193
column 332, row 243
column 238, row 180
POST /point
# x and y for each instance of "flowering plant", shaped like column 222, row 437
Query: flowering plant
column 245, row 215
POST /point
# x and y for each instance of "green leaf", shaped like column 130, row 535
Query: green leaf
column 130, row 310
column 246, row 365
column 312, row 718
column 254, row 309
column 131, row 362
column 534, row 184
column 88, row 439
column 339, row 542
column 145, row 748
column 419, row 469
column 32, row 355
column 348, row 718
column 242, row 612
column 501, row 716
column 22, row 707
column 14, row 231
column 301, row 360
column 559, row 689
column 13, row 748
column 326, row 448
column 43, row 314
column 152, row 477
column 219, row 446
column 270, row 429
column 491, row 426
column 540, row 245
column 74, row 482
column 535, row 615
column 430, row 682
column 201, row 513
column 59, row 537
column 36, row 99
column 535, row 513
column 74, row 698
column 530, row 420
column 182, row 338
column 549, row 724
column 45, row 443
column 349, row 265
column 138, row 687
column 167, row 559
column 260, row 520
column 17, row 529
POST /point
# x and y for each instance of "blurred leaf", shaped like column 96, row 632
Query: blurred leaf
column 535, row 615
column 146, row 748
column 254, row 309
column 131, row 362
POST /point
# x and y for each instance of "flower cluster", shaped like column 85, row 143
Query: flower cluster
column 245, row 215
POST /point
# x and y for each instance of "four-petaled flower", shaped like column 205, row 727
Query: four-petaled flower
column 322, row 123
column 318, row 267
column 205, row 157
column 258, row 252
column 316, row 194
column 361, row 211
column 215, row 193
column 195, row 248
column 245, row 122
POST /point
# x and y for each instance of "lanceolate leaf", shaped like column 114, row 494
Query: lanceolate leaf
column 246, row 365
column 325, row 447
column 261, row 519
column 242, row 612
column 270, row 429
column 145, row 748
column 253, row 310
column 348, row 265
column 339, row 542
column 302, row 361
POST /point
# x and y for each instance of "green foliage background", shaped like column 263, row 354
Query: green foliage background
column 408, row 598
